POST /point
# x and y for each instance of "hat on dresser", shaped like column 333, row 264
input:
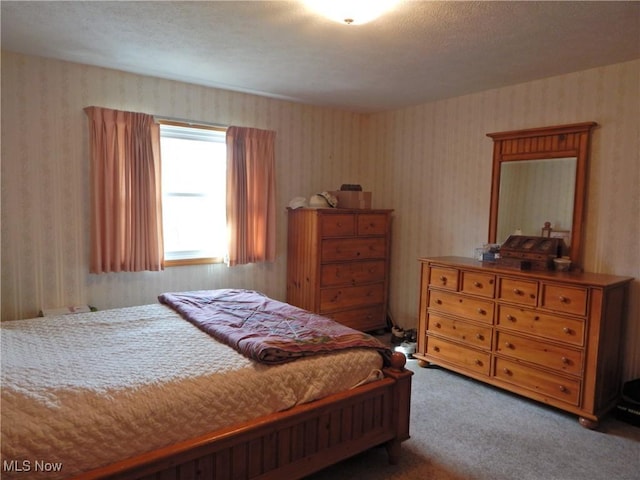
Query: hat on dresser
column 297, row 202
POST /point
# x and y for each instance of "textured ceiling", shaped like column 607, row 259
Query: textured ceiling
column 420, row 52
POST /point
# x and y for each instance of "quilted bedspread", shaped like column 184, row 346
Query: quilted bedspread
column 265, row 329
column 82, row 391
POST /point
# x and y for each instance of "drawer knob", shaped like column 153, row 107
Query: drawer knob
column 477, row 284
column 563, row 299
column 478, row 362
column 438, row 325
column 563, row 388
column 508, row 345
column 507, row 371
column 566, row 330
column 436, row 349
column 479, row 336
column 517, row 291
column 482, row 311
column 438, row 301
column 511, row 318
column 565, row 360
column 443, row 279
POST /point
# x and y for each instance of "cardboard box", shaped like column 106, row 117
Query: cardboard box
column 352, row 199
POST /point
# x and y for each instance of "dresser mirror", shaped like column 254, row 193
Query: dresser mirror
column 539, row 175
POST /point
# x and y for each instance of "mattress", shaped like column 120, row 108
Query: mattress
column 83, row 391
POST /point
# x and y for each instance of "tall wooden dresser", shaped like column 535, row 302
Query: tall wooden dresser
column 550, row 336
column 338, row 264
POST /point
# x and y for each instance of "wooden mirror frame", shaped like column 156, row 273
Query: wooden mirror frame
column 544, row 143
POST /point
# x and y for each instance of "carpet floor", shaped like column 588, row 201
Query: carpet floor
column 462, row 429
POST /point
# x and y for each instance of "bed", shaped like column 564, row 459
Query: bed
column 199, row 385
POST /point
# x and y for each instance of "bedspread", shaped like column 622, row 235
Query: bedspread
column 82, row 391
column 265, row 329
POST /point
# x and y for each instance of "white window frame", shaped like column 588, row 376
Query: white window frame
column 199, row 133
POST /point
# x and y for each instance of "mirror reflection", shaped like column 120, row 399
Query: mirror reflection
column 533, row 192
column 540, row 175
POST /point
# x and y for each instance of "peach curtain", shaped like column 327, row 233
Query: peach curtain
column 251, row 209
column 126, row 195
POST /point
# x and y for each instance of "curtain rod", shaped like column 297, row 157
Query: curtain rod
column 189, row 122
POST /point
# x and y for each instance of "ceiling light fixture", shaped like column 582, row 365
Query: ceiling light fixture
column 351, row 12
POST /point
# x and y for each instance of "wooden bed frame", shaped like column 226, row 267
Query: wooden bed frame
column 289, row 444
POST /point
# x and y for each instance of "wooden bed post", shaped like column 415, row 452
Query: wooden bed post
column 401, row 404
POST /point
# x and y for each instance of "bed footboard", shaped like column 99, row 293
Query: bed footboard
column 290, row 444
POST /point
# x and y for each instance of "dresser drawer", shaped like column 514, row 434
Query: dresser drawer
column 460, row 305
column 473, row 334
column 364, row 319
column 538, row 381
column 468, row 358
column 352, row 273
column 337, row 225
column 342, row 249
column 563, row 329
column 339, row 298
column 372, row 224
column 444, row 278
column 477, row 283
column 564, row 299
column 518, row 291
column 558, row 358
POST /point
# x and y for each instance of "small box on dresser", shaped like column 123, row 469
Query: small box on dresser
column 533, row 253
column 352, row 199
column 549, row 336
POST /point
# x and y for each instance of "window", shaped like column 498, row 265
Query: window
column 194, row 166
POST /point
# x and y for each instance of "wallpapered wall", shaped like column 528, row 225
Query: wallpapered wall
column 45, row 191
column 431, row 163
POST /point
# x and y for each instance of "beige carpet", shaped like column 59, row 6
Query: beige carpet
column 463, row 429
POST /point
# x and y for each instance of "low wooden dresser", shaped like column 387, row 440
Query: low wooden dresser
column 550, row 336
column 338, row 264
